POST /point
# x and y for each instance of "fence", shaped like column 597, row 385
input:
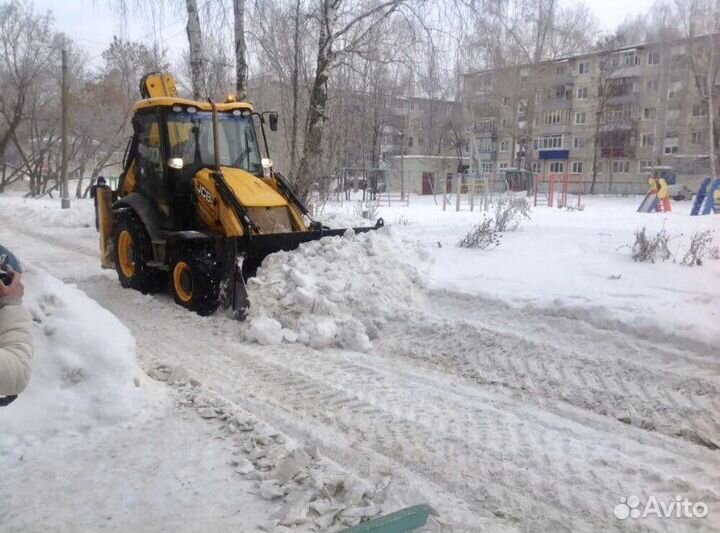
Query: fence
column 375, row 185
column 468, row 190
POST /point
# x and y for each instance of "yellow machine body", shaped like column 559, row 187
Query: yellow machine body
column 186, row 218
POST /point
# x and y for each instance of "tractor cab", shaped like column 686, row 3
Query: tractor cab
column 173, row 143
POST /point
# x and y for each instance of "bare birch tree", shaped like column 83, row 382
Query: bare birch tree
column 349, row 26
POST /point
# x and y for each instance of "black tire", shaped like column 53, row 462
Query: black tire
column 195, row 279
column 140, row 277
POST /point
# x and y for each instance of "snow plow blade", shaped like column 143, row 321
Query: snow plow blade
column 408, row 519
column 251, row 250
column 257, row 247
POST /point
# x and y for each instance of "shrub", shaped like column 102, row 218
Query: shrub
column 700, row 246
column 483, row 235
column 650, row 248
column 509, row 213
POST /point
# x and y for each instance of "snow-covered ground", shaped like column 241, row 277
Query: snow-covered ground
column 525, row 388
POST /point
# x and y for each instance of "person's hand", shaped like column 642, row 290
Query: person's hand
column 14, row 290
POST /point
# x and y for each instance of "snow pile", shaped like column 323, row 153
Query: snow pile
column 46, row 212
column 337, row 291
column 84, row 370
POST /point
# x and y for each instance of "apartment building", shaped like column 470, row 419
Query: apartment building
column 610, row 114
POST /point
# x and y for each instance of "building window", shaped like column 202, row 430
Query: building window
column 421, row 141
column 630, row 59
column 577, row 167
column 697, row 137
column 578, row 142
column 621, row 167
column 487, row 168
column 584, row 67
column 506, row 100
column 654, row 58
column 644, row 167
column 648, row 140
column 676, row 88
column 536, row 167
column 699, row 110
column 486, row 125
column 553, row 117
column 560, row 69
column 410, row 141
column 651, row 86
column 580, row 117
column 649, row 113
column 582, row 93
column 504, row 146
column 502, row 165
column 548, row 142
column 556, row 166
column 672, row 145
column 672, row 114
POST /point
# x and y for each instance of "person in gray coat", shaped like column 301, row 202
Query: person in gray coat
column 16, row 348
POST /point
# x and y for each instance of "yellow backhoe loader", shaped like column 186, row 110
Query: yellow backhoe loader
column 197, row 206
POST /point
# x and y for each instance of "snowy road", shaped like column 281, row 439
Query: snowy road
column 502, row 418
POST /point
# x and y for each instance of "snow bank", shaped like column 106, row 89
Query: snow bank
column 46, row 212
column 84, row 369
column 337, row 291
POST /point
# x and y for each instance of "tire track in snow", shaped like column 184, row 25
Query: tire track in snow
column 625, row 384
column 500, row 457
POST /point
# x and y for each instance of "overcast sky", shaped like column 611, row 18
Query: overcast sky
column 92, row 23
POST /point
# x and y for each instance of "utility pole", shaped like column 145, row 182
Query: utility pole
column 65, row 199
column 402, row 165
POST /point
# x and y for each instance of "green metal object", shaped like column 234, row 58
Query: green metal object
column 407, row 519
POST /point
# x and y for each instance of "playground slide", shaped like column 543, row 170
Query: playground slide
column 713, row 195
column 700, row 197
column 707, row 198
column 648, row 204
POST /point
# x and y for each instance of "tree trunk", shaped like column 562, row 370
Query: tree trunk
column 313, row 146
column 711, row 109
column 241, row 67
column 295, row 89
column 196, row 53
column 595, row 153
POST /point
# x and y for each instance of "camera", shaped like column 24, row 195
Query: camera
column 6, row 271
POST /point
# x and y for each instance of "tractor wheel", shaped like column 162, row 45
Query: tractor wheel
column 196, row 280
column 132, row 251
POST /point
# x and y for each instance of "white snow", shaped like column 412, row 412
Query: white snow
column 46, row 211
column 85, row 374
column 574, row 263
column 528, row 387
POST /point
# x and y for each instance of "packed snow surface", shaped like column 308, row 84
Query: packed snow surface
column 337, row 291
